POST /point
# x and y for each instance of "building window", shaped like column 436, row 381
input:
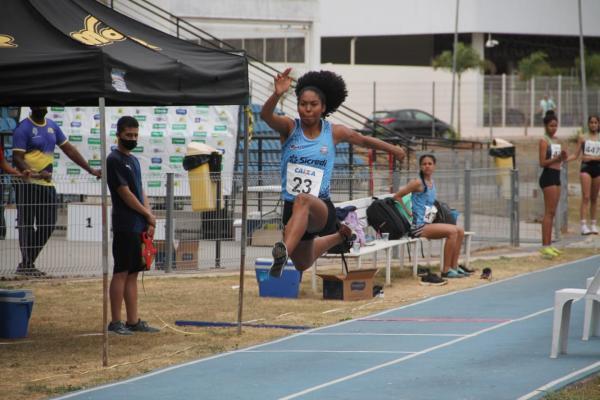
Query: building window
column 295, row 50
column 255, row 48
column 275, row 50
column 335, row 50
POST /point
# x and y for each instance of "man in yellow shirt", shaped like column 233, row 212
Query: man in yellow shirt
column 34, row 141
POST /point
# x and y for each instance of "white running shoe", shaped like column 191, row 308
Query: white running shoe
column 594, row 229
column 585, row 230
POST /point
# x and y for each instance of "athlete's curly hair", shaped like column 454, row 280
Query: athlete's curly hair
column 330, row 87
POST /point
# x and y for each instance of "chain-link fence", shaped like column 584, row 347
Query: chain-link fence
column 502, row 206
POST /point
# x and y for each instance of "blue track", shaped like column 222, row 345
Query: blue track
column 489, row 342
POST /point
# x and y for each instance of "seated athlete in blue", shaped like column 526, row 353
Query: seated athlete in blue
column 423, row 195
column 307, row 162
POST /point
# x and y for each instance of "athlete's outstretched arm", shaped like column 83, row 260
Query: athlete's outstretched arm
column 283, row 125
column 342, row 133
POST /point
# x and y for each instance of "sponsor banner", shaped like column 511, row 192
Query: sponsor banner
column 164, row 134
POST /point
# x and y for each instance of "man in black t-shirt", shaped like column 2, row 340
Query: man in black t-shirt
column 131, row 215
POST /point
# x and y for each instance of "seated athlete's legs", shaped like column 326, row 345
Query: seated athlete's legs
column 309, row 214
column 457, row 245
column 440, row 231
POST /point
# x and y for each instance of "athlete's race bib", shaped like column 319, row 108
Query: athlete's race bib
column 430, row 213
column 592, row 148
column 303, row 179
column 554, row 150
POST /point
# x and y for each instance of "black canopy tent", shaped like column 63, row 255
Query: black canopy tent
column 82, row 53
column 71, row 52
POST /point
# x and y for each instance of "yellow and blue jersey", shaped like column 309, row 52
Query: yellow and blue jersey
column 38, row 143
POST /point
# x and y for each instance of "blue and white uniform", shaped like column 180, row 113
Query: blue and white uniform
column 307, row 164
column 423, row 208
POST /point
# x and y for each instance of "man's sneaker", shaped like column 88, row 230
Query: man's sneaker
column 141, row 326
column 585, row 230
column 432, row 280
column 462, row 271
column 30, row 271
column 547, row 252
column 594, row 229
column 422, row 271
column 280, row 257
column 119, row 328
column 452, row 273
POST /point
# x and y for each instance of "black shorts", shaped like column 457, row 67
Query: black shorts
column 127, row 252
column 330, row 226
column 591, row 168
column 550, row 177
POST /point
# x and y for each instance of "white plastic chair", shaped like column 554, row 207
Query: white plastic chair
column 591, row 323
column 563, row 299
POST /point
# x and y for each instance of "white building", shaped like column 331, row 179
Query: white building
column 384, row 48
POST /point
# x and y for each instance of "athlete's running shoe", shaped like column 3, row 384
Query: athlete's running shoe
column 467, row 270
column 547, row 252
column 555, row 250
column 462, row 271
column 594, row 229
column 585, row 230
column 347, row 235
column 280, row 257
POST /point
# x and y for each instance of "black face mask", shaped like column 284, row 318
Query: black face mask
column 38, row 115
column 128, row 144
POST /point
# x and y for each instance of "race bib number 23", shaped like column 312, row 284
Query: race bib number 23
column 303, row 179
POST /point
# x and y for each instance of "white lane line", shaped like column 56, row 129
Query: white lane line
column 283, row 339
column 543, row 389
column 332, row 310
column 330, row 351
column 408, row 357
column 385, row 334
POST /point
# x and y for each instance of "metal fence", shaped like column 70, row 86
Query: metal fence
column 502, row 206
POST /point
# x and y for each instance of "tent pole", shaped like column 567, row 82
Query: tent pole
column 101, row 104
column 246, row 119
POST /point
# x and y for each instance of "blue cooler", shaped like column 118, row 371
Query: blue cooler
column 286, row 286
column 15, row 310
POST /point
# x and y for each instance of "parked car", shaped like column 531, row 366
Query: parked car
column 412, row 123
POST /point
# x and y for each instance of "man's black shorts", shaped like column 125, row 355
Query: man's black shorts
column 127, row 252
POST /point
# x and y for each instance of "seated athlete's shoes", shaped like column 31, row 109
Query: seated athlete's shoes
column 467, row 270
column 452, row 273
column 585, row 230
column 462, row 271
column 547, row 252
column 280, row 257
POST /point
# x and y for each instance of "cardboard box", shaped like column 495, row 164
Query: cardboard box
column 266, row 237
column 357, row 285
column 186, row 255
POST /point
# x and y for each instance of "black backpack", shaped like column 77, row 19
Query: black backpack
column 444, row 215
column 383, row 215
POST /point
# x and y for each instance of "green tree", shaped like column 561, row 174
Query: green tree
column 466, row 58
column 535, row 64
column 592, row 68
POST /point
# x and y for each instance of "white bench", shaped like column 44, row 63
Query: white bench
column 361, row 209
column 373, row 247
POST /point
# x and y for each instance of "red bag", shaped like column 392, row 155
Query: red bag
column 148, row 250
